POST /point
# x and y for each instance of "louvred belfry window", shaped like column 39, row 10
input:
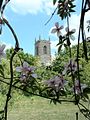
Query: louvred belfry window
column 45, row 49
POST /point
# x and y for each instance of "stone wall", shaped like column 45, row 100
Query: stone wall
column 43, row 50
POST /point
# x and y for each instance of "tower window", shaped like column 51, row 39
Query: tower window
column 36, row 50
column 45, row 50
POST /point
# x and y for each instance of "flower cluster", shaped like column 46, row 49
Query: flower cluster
column 70, row 33
column 57, row 29
column 57, row 83
column 65, row 7
column 26, row 71
column 64, row 40
column 70, row 67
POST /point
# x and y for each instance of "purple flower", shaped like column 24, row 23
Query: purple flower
column 72, row 65
column 26, row 70
column 2, row 54
column 70, row 33
column 57, row 29
column 79, row 88
column 57, row 83
column 64, row 5
column 23, row 78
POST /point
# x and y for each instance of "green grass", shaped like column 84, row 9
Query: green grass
column 36, row 108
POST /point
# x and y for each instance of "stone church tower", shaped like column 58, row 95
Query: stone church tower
column 43, row 51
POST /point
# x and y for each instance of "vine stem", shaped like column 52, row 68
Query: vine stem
column 78, row 48
column 51, row 16
column 14, row 34
column 10, row 87
column 69, row 43
column 82, row 28
column 39, row 95
column 11, row 66
column 76, row 115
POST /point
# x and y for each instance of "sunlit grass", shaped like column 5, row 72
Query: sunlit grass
column 36, row 108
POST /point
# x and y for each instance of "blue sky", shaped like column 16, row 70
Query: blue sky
column 28, row 18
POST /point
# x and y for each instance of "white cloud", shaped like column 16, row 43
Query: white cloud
column 31, row 6
column 48, row 7
column 74, row 23
column 8, row 46
column 54, row 45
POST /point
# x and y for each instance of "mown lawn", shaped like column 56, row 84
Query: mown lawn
column 36, row 108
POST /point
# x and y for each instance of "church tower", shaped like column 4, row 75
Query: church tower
column 43, row 51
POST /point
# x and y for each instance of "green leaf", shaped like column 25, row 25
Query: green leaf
column 1, row 67
column 65, row 45
column 63, row 93
column 58, row 44
column 54, row 1
column 2, row 111
column 86, row 90
column 71, row 10
column 2, row 72
column 85, row 97
column 59, row 48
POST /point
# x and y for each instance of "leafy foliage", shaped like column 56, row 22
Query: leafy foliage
column 65, row 78
column 54, row 1
column 65, row 7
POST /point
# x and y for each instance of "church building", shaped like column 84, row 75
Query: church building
column 43, row 51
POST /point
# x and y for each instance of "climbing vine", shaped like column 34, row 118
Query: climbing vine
column 57, row 88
